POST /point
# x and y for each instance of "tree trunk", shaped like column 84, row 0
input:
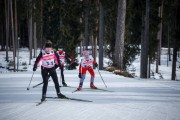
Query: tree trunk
column 159, row 38
column 12, row 35
column 97, row 28
column 149, row 68
column 176, row 43
column 144, row 45
column 16, row 32
column 169, row 50
column 15, row 25
column 35, row 41
column 175, row 49
column 101, row 28
column 120, row 31
column 30, row 31
column 86, row 31
column 6, row 2
column 41, row 41
column 81, row 49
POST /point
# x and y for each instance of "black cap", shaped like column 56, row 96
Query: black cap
column 48, row 44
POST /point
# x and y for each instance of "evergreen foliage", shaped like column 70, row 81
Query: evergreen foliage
column 63, row 21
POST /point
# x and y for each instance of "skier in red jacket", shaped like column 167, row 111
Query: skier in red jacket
column 86, row 65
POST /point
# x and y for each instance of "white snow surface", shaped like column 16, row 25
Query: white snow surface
column 132, row 98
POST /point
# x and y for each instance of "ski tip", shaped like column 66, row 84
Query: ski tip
column 39, row 103
column 75, row 91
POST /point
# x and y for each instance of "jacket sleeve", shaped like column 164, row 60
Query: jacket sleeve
column 94, row 62
column 80, row 67
column 69, row 56
column 58, row 60
column 38, row 59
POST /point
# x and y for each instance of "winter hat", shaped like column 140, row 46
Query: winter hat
column 85, row 53
column 48, row 44
column 60, row 49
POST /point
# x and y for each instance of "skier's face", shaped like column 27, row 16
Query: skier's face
column 86, row 54
column 48, row 49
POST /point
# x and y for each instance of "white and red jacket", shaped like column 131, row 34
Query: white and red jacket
column 63, row 55
column 86, row 62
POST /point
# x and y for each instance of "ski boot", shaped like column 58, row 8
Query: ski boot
column 93, row 86
column 60, row 95
column 43, row 98
column 80, row 87
column 64, row 84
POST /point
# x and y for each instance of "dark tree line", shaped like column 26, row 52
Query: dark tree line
column 121, row 29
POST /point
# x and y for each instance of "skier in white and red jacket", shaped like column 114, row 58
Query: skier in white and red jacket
column 86, row 65
column 49, row 58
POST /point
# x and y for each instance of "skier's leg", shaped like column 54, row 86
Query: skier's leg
column 56, row 83
column 53, row 74
column 62, row 76
column 83, row 75
column 91, row 71
column 44, row 73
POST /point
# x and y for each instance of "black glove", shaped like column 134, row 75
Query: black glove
column 60, row 67
column 79, row 75
column 95, row 64
column 56, row 66
column 34, row 68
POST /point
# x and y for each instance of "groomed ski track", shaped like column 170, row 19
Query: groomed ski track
column 132, row 99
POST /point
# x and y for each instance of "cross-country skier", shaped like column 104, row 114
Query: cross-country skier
column 86, row 65
column 62, row 56
column 48, row 57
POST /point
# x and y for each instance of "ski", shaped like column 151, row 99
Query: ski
column 39, row 84
column 39, row 103
column 99, row 89
column 75, row 91
column 68, row 98
column 93, row 89
column 68, row 86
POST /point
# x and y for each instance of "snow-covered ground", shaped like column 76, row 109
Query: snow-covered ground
column 131, row 99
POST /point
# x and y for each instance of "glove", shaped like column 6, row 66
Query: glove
column 79, row 75
column 74, row 60
column 60, row 67
column 34, row 68
column 95, row 64
column 56, row 66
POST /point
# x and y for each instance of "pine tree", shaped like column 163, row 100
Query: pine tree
column 120, row 30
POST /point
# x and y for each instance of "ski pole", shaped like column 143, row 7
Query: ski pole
column 102, row 78
column 30, row 81
column 39, row 84
column 60, row 77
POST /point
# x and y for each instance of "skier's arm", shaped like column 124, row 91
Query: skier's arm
column 95, row 63
column 80, row 70
column 57, row 58
column 38, row 59
column 69, row 56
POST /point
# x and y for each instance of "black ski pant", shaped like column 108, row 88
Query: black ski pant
column 62, row 73
column 46, row 72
